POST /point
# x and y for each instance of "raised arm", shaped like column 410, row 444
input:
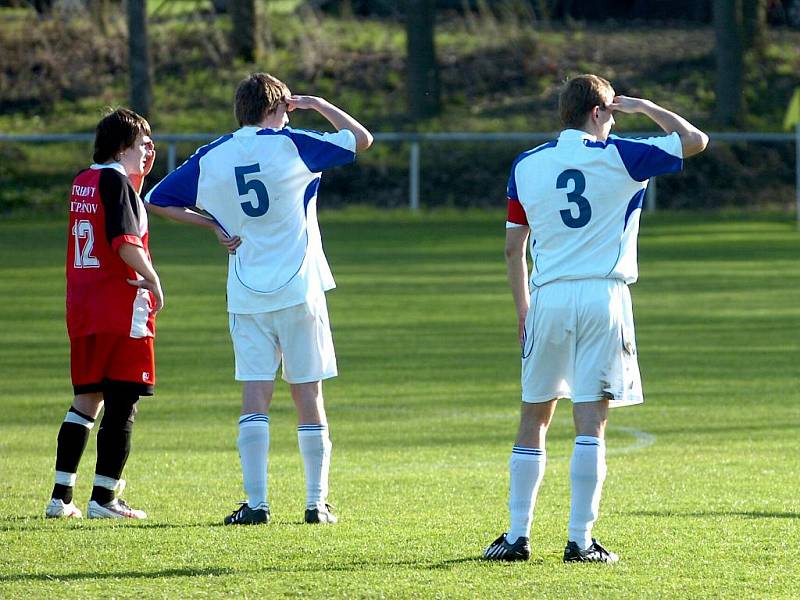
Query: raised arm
column 335, row 116
column 517, row 267
column 693, row 140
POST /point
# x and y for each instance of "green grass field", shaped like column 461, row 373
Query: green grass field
column 701, row 499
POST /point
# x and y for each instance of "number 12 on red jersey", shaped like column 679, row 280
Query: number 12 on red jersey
column 84, row 259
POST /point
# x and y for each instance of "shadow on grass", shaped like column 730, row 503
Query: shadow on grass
column 19, row 523
column 120, row 575
column 217, row 572
column 748, row 514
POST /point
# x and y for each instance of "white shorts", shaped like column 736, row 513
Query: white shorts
column 299, row 335
column 580, row 344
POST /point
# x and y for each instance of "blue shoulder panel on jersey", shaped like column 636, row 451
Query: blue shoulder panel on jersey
column 317, row 154
column 511, row 190
column 311, row 191
column 645, row 160
column 179, row 188
column 635, row 202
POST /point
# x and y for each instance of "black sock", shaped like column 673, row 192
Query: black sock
column 114, row 441
column 72, row 439
column 102, row 495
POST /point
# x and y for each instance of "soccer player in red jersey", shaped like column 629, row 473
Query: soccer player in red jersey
column 113, row 294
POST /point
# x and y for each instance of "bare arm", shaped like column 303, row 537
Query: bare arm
column 190, row 217
column 517, row 267
column 693, row 140
column 136, row 259
column 336, row 117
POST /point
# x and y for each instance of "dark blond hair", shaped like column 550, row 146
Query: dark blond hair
column 579, row 96
column 257, row 96
column 117, row 131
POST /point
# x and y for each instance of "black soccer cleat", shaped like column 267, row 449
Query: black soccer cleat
column 500, row 549
column 244, row 515
column 321, row 514
column 594, row 553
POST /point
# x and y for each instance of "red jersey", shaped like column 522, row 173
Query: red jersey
column 105, row 212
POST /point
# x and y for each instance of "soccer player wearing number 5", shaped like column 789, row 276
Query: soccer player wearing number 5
column 579, row 198
column 113, row 294
column 259, row 185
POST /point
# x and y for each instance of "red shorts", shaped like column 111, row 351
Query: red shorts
column 105, row 358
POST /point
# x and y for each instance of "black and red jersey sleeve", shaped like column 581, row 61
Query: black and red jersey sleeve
column 121, row 209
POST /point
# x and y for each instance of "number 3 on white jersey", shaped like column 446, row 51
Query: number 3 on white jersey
column 82, row 230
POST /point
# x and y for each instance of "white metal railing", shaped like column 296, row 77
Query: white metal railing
column 416, row 139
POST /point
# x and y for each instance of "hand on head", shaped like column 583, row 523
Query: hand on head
column 150, row 157
column 625, row 104
column 302, row 102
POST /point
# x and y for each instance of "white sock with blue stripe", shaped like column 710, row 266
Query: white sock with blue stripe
column 253, row 446
column 527, row 470
column 587, row 473
column 315, row 448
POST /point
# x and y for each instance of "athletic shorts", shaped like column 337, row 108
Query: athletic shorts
column 105, row 359
column 580, row 344
column 299, row 336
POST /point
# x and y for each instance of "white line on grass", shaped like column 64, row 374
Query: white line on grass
column 642, row 439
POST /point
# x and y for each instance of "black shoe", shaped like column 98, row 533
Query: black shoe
column 244, row 515
column 500, row 549
column 320, row 515
column 594, row 553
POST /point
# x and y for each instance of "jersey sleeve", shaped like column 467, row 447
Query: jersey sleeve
column 516, row 213
column 179, row 188
column 121, row 209
column 320, row 151
column 648, row 157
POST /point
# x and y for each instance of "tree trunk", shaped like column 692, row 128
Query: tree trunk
column 754, row 23
column 138, row 58
column 730, row 64
column 423, row 72
column 43, row 7
column 244, row 36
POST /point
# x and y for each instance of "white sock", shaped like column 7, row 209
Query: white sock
column 527, row 470
column 315, row 448
column 253, row 446
column 587, row 474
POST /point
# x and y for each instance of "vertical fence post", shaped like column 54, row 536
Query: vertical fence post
column 171, row 156
column 650, row 196
column 413, row 177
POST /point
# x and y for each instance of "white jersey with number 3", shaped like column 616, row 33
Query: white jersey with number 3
column 261, row 185
column 582, row 200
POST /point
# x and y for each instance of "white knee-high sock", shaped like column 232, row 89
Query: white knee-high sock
column 315, row 448
column 253, row 446
column 527, row 470
column 587, row 474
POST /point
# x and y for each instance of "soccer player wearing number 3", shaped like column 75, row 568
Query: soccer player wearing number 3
column 113, row 293
column 259, row 186
column 579, row 198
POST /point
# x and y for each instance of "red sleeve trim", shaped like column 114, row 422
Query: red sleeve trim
column 133, row 240
column 516, row 214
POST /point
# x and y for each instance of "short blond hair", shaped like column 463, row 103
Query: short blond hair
column 579, row 96
column 257, row 96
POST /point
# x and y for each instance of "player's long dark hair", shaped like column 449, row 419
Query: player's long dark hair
column 116, row 132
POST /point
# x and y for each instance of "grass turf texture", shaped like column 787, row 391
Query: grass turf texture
column 701, row 497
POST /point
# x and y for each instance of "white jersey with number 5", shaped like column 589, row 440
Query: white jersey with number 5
column 261, row 184
column 582, row 200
